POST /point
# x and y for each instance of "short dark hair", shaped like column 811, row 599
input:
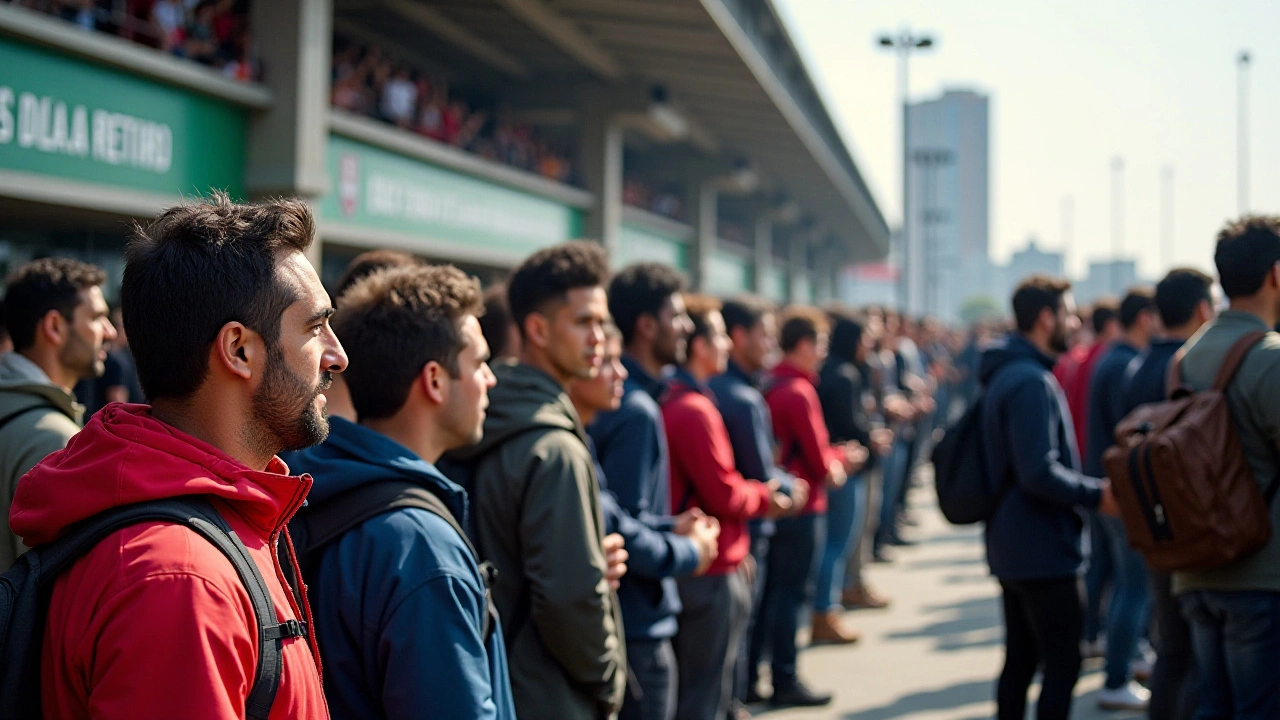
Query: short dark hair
column 801, row 323
column 1178, row 294
column 1247, row 250
column 43, row 285
column 547, row 275
column 198, row 267
column 846, row 335
column 367, row 263
column 1034, row 294
column 395, row 321
column 744, row 311
column 641, row 289
column 700, row 308
column 1104, row 311
column 1137, row 301
column 496, row 319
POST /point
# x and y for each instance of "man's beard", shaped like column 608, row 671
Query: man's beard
column 284, row 407
column 1058, row 342
column 81, row 357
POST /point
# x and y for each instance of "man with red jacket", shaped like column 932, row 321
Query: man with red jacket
column 229, row 327
column 804, row 450
column 717, row 605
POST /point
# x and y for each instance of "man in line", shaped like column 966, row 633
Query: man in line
column 1034, row 536
column 646, row 303
column 717, row 605
column 537, row 499
column 229, row 326
column 406, row 579
column 1185, row 300
column 1127, row 612
column 56, row 315
column 1234, row 610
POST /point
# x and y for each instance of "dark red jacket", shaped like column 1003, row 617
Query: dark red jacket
column 154, row 621
column 702, row 470
column 804, row 445
column 1074, row 373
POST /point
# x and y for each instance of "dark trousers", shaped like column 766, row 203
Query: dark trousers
column 1174, row 692
column 787, row 590
column 1236, row 636
column 741, row 676
column 712, row 625
column 653, row 697
column 1043, row 620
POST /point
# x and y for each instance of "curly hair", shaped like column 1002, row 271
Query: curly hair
column 547, row 275
column 43, row 285
column 641, row 289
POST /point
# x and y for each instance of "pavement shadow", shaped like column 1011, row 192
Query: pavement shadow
column 969, row 624
column 958, row 695
column 944, row 563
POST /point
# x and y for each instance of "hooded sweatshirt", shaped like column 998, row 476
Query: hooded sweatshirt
column 399, row 602
column 154, row 621
column 538, row 520
column 43, row 417
column 1029, row 441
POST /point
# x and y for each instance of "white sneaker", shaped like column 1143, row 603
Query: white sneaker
column 1130, row 696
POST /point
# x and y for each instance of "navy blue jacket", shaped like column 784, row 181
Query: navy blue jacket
column 398, row 601
column 1036, row 531
column 1106, row 407
column 750, row 425
column 1146, row 380
column 630, row 445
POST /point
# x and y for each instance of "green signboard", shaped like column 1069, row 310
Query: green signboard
column 378, row 189
column 68, row 118
column 637, row 244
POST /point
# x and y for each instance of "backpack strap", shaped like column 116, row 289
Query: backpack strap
column 1235, row 358
column 199, row 515
column 327, row 521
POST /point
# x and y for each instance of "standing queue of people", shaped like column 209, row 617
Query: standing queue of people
column 579, row 497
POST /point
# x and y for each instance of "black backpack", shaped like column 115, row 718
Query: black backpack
column 318, row 524
column 965, row 495
column 25, row 590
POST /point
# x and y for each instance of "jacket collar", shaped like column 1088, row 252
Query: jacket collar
column 637, row 375
column 787, row 371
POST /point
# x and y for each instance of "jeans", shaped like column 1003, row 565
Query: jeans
column 653, row 662
column 895, row 476
column 1130, row 603
column 786, row 590
column 1236, row 637
column 712, row 625
column 1042, row 620
column 760, row 554
column 861, row 551
column 1174, row 694
column 1097, row 577
column 846, row 510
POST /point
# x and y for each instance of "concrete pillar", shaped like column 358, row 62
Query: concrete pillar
column 763, row 252
column 797, row 249
column 704, row 211
column 288, row 143
column 601, row 154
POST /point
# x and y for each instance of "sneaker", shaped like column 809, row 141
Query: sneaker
column 1130, row 696
column 797, row 695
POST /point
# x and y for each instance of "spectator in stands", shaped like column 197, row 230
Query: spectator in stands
column 1234, row 610
column 228, row 323
column 399, row 100
column 645, row 301
column 419, row 378
column 1034, row 537
column 1185, row 301
column 55, row 313
column 716, row 606
column 1128, row 610
column 806, row 452
column 538, row 513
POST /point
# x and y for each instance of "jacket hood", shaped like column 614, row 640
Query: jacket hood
column 1010, row 349
column 124, row 456
column 354, row 455
column 22, row 388
column 524, row 397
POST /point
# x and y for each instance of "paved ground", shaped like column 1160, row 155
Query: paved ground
column 934, row 653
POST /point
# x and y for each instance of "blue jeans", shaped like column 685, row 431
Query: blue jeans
column 1236, row 639
column 895, row 475
column 1130, row 603
column 1097, row 577
column 846, row 512
column 786, row 591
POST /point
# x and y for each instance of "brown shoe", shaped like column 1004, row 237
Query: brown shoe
column 861, row 598
column 828, row 629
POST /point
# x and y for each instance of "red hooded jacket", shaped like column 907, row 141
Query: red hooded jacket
column 154, row 621
column 804, row 445
column 703, row 473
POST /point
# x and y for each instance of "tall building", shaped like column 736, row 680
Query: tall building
column 948, row 203
column 1031, row 260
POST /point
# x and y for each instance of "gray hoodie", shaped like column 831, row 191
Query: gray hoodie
column 38, row 418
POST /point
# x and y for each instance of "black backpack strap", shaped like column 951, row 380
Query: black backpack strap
column 325, row 522
column 199, row 515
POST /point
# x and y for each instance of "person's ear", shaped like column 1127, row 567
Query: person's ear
column 646, row 327
column 54, row 328
column 537, row 330
column 239, row 351
column 435, row 381
column 1047, row 320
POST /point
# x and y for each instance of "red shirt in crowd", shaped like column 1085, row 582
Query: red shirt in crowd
column 703, row 473
column 804, row 445
column 1074, row 372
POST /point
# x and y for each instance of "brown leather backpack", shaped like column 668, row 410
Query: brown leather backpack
column 1187, row 495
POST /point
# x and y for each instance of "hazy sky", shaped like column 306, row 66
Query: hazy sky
column 1071, row 86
